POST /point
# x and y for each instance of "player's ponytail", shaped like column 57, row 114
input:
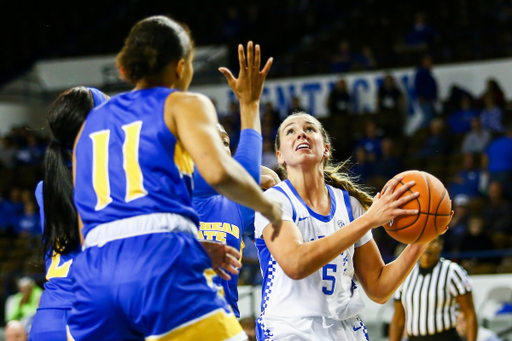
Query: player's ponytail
column 335, row 175
column 65, row 118
column 153, row 43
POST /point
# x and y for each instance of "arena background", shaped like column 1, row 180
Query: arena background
column 419, row 123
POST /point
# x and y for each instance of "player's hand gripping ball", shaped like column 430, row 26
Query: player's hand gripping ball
column 434, row 210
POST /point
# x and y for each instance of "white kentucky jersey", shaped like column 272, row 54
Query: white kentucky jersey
column 329, row 292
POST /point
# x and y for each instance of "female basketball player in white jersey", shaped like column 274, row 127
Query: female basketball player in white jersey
column 325, row 239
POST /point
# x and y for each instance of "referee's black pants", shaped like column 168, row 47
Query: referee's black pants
column 447, row 335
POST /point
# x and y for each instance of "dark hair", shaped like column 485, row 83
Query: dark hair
column 65, row 118
column 152, row 44
column 333, row 174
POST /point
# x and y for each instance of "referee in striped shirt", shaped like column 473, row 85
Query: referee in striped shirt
column 429, row 300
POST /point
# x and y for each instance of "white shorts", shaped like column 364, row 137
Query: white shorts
column 272, row 328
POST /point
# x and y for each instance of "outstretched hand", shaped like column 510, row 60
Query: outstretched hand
column 387, row 206
column 223, row 257
column 248, row 87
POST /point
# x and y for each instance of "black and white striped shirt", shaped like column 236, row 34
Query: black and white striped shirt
column 428, row 297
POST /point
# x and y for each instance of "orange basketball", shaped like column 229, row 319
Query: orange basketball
column 434, row 206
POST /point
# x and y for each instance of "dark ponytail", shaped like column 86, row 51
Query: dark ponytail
column 65, row 118
column 153, row 43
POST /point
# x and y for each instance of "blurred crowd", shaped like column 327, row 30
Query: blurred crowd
column 303, row 36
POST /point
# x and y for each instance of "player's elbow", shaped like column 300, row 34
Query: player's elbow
column 295, row 272
column 378, row 298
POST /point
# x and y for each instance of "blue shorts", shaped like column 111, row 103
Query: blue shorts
column 49, row 325
column 155, row 286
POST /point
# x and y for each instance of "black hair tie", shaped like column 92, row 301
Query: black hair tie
column 57, row 141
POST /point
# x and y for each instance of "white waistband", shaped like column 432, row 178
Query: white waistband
column 138, row 225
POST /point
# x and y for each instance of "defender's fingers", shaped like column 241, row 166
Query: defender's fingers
column 250, row 56
column 257, row 57
column 229, row 76
column 229, row 268
column 266, row 69
column 233, row 260
column 277, row 228
column 222, row 274
column 241, row 58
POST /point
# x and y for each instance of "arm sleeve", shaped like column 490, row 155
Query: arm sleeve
column 39, row 199
column 248, row 152
column 201, row 187
column 248, row 219
column 357, row 211
column 459, row 282
column 289, row 214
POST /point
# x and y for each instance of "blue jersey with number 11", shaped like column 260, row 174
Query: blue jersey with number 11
column 129, row 163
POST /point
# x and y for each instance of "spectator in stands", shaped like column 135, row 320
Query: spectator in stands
column 232, row 25
column 497, row 161
column 273, row 114
column 426, row 90
column 437, row 143
column 342, row 60
column 491, row 116
column 371, row 143
column 389, row 97
column 365, row 60
column 29, row 223
column 467, row 180
column 15, row 204
column 338, row 101
column 460, row 121
column 295, row 106
column 15, row 331
column 30, row 154
column 477, row 139
column 475, row 239
column 422, row 34
column 268, row 159
column 23, row 305
column 362, row 167
column 7, row 153
column 388, row 165
column 497, row 215
column 494, row 90
column 459, row 224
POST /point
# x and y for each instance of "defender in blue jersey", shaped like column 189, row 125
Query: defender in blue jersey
column 222, row 220
column 143, row 275
column 60, row 228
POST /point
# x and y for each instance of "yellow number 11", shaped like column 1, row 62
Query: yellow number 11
column 133, row 173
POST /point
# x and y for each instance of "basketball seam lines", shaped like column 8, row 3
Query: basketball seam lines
column 437, row 209
column 428, row 210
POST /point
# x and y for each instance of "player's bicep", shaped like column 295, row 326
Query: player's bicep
column 284, row 247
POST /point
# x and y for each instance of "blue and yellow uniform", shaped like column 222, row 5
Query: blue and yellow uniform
column 142, row 274
column 223, row 220
column 50, row 320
